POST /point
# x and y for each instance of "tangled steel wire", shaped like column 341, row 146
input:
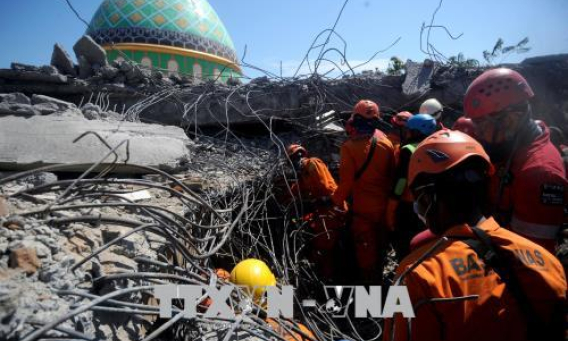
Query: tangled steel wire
column 191, row 234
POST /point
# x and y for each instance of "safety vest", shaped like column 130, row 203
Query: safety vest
column 406, row 195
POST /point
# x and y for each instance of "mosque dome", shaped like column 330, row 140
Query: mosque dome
column 184, row 37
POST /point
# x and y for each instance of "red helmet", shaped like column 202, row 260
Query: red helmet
column 296, row 148
column 349, row 128
column 443, row 150
column 400, row 119
column 366, row 109
column 494, row 91
column 465, row 125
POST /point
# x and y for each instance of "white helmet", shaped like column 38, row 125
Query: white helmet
column 432, row 107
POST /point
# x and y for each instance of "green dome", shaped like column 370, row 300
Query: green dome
column 183, row 25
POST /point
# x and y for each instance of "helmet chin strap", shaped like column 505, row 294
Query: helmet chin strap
column 524, row 134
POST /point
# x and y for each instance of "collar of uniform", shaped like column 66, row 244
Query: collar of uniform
column 535, row 146
column 462, row 230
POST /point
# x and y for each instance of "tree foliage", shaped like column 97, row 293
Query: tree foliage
column 500, row 50
column 396, row 67
column 461, row 61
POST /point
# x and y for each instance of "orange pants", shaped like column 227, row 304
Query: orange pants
column 325, row 224
column 369, row 235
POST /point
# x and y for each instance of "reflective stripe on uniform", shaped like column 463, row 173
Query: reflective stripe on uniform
column 534, row 230
column 410, row 146
column 400, row 187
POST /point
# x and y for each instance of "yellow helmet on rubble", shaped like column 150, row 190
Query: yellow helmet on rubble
column 254, row 274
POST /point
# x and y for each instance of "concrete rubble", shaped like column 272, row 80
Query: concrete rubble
column 57, row 260
column 62, row 61
column 85, row 240
column 28, row 143
column 94, row 54
column 128, row 84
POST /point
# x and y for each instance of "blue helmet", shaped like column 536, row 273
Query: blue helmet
column 424, row 123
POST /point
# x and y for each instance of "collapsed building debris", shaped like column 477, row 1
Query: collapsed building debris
column 181, row 100
column 80, row 255
column 26, row 145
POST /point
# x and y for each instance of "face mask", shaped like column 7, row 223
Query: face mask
column 498, row 152
column 417, row 211
column 420, row 216
column 297, row 164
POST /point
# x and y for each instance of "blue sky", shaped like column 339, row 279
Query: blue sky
column 282, row 30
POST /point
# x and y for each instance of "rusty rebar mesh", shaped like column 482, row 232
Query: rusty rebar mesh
column 104, row 250
column 226, row 207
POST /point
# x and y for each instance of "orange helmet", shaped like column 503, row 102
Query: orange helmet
column 366, row 109
column 443, row 150
column 400, row 119
column 293, row 149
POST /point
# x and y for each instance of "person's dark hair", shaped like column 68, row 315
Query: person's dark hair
column 462, row 191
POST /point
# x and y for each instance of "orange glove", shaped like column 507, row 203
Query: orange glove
column 391, row 214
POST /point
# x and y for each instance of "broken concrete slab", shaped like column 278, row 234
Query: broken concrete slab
column 15, row 109
column 16, row 97
column 108, row 72
column 73, row 113
column 92, row 51
column 46, row 108
column 62, row 61
column 47, row 140
column 61, row 105
column 32, row 76
column 85, row 70
column 49, row 70
column 24, row 67
column 418, row 76
column 555, row 58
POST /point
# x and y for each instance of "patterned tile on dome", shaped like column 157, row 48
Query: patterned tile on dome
column 179, row 6
column 136, row 18
column 148, row 10
column 159, row 20
column 195, row 19
column 203, row 28
column 182, row 23
column 115, row 18
column 170, row 12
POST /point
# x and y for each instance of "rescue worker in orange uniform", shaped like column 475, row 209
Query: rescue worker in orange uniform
column 315, row 187
column 529, row 187
column 400, row 215
column 398, row 132
column 366, row 175
column 476, row 280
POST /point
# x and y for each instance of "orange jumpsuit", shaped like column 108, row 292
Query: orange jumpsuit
column 289, row 334
column 315, row 182
column 369, row 195
column 454, row 270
